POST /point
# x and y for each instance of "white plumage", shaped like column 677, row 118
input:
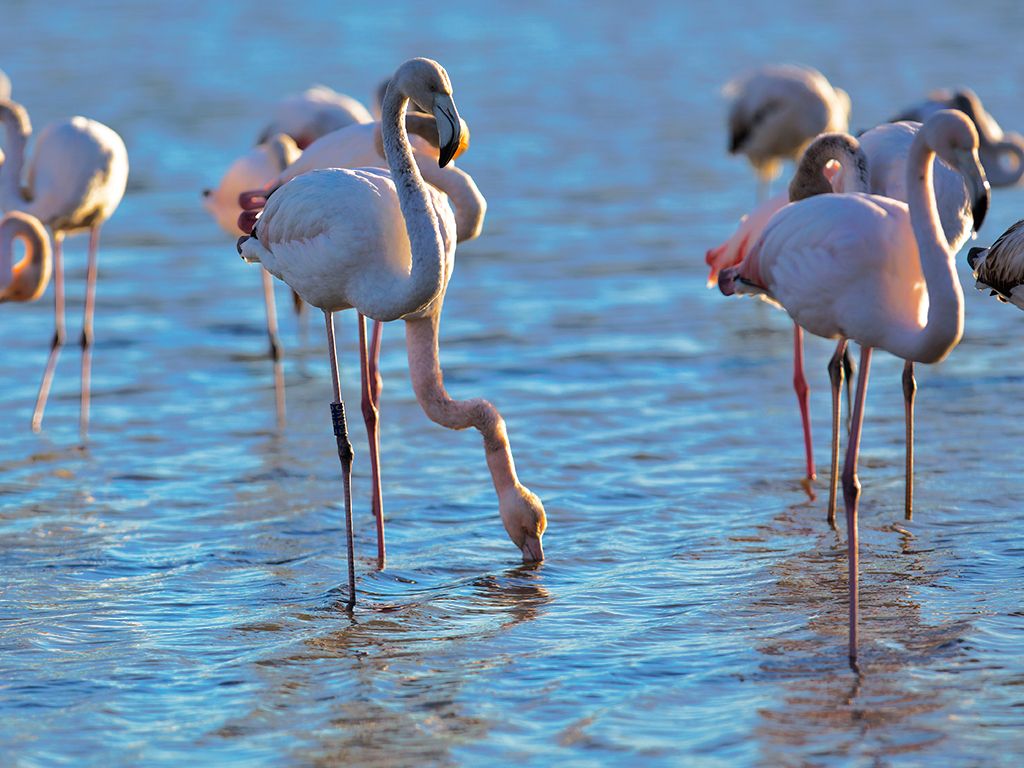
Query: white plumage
column 313, row 113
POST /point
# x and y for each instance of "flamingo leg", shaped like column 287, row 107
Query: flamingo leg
column 849, row 369
column 836, row 373
column 59, row 332
column 851, row 495
column 909, row 391
column 803, row 397
column 87, row 328
column 276, row 351
column 300, row 313
column 370, row 378
column 344, row 455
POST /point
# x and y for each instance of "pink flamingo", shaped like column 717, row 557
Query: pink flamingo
column 313, row 113
column 869, row 268
column 775, row 111
column 382, row 242
column 359, row 146
column 76, row 179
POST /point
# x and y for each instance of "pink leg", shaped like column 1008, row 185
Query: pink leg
column 836, row 373
column 368, row 361
column 87, row 329
column 851, row 495
column 344, row 454
column 909, row 391
column 802, row 396
column 58, row 333
column 275, row 345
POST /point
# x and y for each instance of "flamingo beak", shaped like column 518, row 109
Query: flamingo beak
column 969, row 166
column 533, row 552
column 974, row 258
column 449, row 128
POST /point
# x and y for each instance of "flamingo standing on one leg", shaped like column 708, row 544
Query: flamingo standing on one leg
column 994, row 145
column 76, row 179
column 382, row 242
column 27, row 279
column 775, row 111
column 361, row 146
column 871, row 269
column 257, row 167
column 1000, row 267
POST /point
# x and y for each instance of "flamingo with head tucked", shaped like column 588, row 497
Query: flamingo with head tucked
column 313, row 113
column 775, row 111
column 382, row 242
column 869, row 268
column 76, row 178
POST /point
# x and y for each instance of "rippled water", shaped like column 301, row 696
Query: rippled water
column 173, row 591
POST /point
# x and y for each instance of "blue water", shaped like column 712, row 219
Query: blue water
column 172, row 592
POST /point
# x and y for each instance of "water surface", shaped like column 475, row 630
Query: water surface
column 172, row 592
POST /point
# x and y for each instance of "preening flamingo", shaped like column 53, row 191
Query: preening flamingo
column 382, row 242
column 76, row 179
column 313, row 113
column 359, row 146
column 1002, row 154
column 25, row 280
column 257, row 167
column 775, row 111
column 1000, row 267
column 870, row 268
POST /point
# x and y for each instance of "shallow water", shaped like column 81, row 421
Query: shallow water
column 173, row 591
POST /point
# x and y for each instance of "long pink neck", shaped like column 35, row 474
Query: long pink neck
column 428, row 384
column 945, row 322
column 426, row 277
column 17, row 128
column 470, row 206
column 27, row 279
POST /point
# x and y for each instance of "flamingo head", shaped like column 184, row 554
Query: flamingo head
column 426, row 84
column 525, row 521
column 954, row 138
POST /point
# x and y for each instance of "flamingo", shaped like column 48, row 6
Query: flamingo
column 1000, row 267
column 313, row 113
column 994, row 144
column 775, row 111
column 26, row 280
column 875, row 270
column 256, row 167
column 357, row 146
column 382, row 242
column 76, row 179
column 884, row 150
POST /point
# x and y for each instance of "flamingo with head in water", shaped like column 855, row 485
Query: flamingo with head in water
column 382, row 242
column 875, row 270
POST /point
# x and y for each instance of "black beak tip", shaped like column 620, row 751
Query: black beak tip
column 238, row 245
column 978, row 211
column 446, row 154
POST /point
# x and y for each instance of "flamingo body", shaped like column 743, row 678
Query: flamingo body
column 314, row 113
column 338, row 238
column 1000, row 267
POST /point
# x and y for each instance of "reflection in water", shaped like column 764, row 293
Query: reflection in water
column 882, row 710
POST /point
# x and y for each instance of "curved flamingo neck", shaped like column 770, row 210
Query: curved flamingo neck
column 945, row 321
column 464, row 195
column 27, row 279
column 428, row 384
column 426, row 277
column 17, row 128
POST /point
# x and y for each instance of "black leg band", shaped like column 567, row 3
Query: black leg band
column 341, row 432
